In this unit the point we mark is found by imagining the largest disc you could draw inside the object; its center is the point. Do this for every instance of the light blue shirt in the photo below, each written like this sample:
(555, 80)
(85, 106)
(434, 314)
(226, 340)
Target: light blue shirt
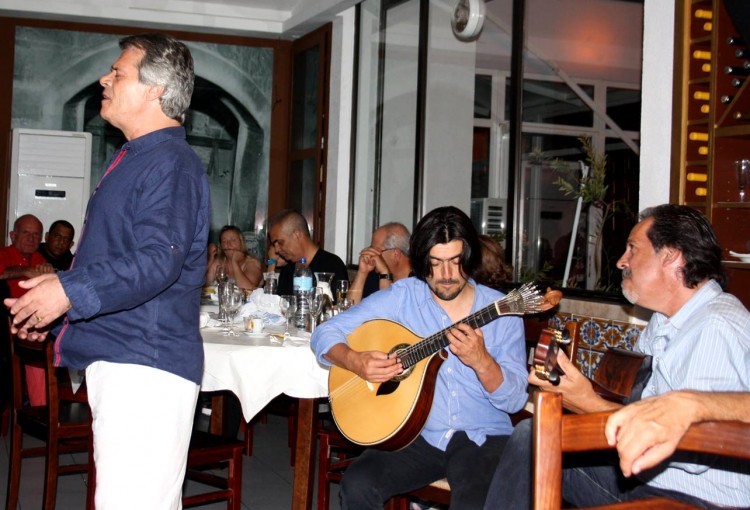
(460, 402)
(705, 346)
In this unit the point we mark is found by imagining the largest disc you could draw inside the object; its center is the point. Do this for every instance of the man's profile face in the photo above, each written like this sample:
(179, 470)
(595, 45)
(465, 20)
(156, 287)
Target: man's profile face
(59, 240)
(124, 97)
(27, 236)
(642, 272)
(446, 280)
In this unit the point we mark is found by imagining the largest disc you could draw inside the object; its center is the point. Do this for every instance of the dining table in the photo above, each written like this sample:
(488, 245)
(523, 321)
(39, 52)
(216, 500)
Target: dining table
(259, 367)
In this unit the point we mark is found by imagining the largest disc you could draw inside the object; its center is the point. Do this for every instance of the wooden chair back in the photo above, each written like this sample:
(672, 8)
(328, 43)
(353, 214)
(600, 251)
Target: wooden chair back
(64, 424)
(556, 433)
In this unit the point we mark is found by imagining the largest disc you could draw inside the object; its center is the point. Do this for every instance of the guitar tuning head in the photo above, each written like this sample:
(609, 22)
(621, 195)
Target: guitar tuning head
(562, 336)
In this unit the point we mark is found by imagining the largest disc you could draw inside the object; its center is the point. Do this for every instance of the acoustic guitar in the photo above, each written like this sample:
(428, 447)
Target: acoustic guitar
(390, 415)
(620, 371)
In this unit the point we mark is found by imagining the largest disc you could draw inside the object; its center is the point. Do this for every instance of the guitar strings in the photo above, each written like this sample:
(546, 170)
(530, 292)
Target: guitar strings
(525, 299)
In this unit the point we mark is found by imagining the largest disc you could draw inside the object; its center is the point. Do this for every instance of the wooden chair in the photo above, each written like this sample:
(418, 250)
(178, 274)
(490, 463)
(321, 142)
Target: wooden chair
(64, 423)
(335, 454)
(209, 451)
(556, 433)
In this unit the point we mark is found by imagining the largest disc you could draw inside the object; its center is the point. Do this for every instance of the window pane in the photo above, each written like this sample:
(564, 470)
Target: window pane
(548, 214)
(302, 189)
(480, 164)
(305, 99)
(482, 96)
(624, 107)
(555, 103)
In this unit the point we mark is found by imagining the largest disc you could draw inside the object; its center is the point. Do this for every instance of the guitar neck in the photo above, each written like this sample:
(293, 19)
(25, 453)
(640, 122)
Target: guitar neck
(512, 304)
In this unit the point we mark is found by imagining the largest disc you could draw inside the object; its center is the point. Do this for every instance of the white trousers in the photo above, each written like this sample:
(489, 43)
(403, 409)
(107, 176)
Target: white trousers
(142, 421)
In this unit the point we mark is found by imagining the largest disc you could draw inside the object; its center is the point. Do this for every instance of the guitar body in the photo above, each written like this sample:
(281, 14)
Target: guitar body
(389, 419)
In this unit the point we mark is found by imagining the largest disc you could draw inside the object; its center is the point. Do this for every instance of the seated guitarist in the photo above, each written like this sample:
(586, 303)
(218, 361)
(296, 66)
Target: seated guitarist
(699, 339)
(481, 382)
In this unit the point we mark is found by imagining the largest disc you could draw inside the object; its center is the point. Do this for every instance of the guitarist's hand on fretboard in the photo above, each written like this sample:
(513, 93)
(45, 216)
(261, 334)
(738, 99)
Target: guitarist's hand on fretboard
(468, 345)
(576, 389)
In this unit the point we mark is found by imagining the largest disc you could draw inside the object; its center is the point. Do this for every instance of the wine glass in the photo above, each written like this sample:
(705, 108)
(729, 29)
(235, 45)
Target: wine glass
(742, 167)
(342, 288)
(315, 300)
(236, 301)
(221, 273)
(230, 301)
(288, 307)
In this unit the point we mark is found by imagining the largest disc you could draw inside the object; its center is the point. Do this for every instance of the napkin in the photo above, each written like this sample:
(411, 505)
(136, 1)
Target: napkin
(263, 306)
(206, 321)
(301, 339)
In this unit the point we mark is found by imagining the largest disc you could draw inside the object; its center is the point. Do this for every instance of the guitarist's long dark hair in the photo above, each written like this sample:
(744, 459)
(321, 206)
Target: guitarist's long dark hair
(441, 226)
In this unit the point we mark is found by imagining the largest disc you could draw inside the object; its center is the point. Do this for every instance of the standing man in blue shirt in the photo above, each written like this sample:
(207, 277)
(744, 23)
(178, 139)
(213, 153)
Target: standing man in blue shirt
(482, 381)
(132, 297)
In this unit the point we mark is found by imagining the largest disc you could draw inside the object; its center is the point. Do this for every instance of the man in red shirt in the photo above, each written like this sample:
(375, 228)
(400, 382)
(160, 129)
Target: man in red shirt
(20, 261)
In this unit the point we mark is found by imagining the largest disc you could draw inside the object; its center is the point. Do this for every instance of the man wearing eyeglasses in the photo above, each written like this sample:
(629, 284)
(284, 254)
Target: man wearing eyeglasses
(481, 382)
(57, 244)
(385, 261)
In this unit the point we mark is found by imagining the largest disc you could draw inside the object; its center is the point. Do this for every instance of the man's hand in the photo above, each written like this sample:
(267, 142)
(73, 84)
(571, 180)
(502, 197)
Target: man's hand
(468, 345)
(39, 307)
(372, 366)
(45, 268)
(370, 259)
(576, 390)
(648, 431)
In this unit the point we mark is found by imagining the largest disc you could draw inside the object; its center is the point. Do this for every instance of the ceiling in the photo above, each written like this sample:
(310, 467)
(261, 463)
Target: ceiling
(597, 39)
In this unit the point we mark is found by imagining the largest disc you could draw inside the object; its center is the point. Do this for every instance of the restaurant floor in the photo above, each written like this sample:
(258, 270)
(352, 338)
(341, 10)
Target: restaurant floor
(267, 476)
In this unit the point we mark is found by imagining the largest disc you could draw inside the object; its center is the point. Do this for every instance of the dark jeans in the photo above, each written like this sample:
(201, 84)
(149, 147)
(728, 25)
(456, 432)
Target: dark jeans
(589, 485)
(378, 475)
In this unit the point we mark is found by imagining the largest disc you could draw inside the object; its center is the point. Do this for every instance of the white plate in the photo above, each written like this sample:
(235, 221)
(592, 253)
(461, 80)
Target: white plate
(744, 257)
(254, 335)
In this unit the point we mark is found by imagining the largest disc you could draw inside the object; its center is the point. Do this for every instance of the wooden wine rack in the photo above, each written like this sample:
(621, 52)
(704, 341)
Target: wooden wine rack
(707, 137)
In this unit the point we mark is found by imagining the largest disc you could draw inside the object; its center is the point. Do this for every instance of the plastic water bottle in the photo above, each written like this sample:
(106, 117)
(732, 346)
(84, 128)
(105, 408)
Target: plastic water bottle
(303, 284)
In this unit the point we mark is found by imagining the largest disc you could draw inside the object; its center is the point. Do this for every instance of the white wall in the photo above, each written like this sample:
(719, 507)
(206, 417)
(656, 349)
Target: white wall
(656, 102)
(339, 132)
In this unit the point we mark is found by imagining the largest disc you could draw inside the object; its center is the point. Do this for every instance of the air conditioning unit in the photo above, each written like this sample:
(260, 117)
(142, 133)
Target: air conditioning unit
(488, 215)
(49, 178)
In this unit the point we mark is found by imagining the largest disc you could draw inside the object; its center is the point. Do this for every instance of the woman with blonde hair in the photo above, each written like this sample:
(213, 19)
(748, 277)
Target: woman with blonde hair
(231, 255)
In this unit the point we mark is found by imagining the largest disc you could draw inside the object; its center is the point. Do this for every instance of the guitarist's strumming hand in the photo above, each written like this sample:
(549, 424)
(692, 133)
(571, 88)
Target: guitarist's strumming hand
(468, 344)
(577, 392)
(372, 366)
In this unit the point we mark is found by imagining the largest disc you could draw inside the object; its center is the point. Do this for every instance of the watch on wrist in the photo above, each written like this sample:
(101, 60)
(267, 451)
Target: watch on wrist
(386, 276)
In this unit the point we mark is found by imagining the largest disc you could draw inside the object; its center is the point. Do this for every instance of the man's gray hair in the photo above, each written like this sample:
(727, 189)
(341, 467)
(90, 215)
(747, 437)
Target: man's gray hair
(166, 63)
(396, 237)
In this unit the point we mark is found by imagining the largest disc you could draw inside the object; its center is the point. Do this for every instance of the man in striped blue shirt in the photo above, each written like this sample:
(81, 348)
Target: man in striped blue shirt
(699, 339)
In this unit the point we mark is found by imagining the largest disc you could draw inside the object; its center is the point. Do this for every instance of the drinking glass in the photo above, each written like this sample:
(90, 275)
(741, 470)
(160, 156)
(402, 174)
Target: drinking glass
(342, 288)
(236, 301)
(230, 301)
(271, 282)
(742, 167)
(288, 307)
(221, 273)
(315, 300)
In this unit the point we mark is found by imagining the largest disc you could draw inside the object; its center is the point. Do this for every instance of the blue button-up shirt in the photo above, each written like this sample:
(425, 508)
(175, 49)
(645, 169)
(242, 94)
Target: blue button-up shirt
(140, 262)
(705, 346)
(461, 403)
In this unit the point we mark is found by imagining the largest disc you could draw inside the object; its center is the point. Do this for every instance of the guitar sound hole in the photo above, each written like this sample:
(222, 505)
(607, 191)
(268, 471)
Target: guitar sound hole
(397, 351)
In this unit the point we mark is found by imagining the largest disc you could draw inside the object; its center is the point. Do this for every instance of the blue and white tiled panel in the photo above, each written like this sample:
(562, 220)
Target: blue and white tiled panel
(597, 335)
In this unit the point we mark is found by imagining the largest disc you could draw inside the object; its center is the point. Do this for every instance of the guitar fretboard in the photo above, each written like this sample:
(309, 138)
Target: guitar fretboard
(525, 299)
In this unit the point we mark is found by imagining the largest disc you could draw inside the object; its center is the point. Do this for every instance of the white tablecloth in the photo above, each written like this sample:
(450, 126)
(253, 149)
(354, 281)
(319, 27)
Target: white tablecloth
(259, 369)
